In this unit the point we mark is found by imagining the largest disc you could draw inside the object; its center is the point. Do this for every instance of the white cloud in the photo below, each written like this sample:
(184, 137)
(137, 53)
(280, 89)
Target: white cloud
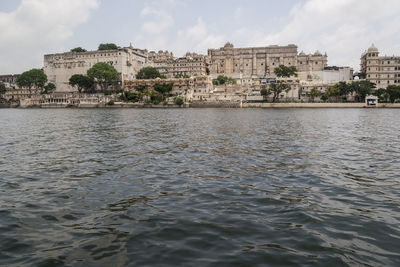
(159, 21)
(35, 27)
(342, 28)
(197, 38)
(154, 29)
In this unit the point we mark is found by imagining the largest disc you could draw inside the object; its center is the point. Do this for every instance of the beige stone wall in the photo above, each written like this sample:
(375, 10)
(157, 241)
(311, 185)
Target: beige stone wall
(191, 64)
(261, 61)
(60, 67)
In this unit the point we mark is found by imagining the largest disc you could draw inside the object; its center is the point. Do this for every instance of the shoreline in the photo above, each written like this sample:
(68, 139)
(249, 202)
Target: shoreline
(204, 105)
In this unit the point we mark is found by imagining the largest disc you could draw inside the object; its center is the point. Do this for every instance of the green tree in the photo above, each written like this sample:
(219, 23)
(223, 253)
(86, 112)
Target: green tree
(49, 88)
(283, 71)
(78, 50)
(130, 96)
(362, 89)
(314, 92)
(140, 88)
(32, 78)
(324, 97)
(345, 89)
(382, 94)
(82, 82)
(103, 73)
(163, 88)
(156, 97)
(222, 79)
(2, 89)
(148, 73)
(333, 91)
(278, 87)
(265, 92)
(393, 92)
(108, 46)
(179, 101)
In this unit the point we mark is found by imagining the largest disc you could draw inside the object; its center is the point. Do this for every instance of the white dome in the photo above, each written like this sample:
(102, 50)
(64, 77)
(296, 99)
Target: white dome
(372, 48)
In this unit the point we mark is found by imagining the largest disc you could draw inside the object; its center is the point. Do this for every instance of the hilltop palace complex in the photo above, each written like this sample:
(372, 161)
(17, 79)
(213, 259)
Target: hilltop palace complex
(192, 74)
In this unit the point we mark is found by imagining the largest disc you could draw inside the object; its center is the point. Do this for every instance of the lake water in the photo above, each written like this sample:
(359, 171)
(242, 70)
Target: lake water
(199, 187)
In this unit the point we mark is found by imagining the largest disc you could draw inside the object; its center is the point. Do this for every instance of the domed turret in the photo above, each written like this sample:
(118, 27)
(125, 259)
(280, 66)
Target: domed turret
(372, 49)
(317, 53)
(228, 45)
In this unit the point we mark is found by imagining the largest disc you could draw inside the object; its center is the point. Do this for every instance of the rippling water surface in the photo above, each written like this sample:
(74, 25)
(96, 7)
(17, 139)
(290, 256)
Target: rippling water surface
(199, 187)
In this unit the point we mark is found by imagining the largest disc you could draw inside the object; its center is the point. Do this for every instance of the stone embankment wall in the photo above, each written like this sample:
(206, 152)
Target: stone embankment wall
(315, 105)
(210, 104)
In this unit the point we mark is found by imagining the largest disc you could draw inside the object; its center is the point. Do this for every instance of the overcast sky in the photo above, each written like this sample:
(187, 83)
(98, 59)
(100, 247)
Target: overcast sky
(342, 28)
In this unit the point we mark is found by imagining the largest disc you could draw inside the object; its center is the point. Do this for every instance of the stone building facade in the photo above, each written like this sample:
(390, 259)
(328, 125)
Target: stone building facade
(381, 70)
(191, 64)
(261, 61)
(185, 87)
(15, 93)
(9, 79)
(60, 67)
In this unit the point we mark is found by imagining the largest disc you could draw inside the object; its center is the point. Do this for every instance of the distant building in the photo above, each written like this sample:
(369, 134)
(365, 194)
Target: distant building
(381, 70)
(9, 79)
(14, 92)
(191, 64)
(60, 67)
(262, 61)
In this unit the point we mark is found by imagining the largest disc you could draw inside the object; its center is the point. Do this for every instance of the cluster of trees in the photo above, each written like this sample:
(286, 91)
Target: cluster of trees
(78, 50)
(276, 87)
(337, 92)
(35, 78)
(222, 79)
(390, 94)
(179, 101)
(149, 73)
(360, 89)
(107, 46)
(101, 73)
(340, 91)
(155, 95)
